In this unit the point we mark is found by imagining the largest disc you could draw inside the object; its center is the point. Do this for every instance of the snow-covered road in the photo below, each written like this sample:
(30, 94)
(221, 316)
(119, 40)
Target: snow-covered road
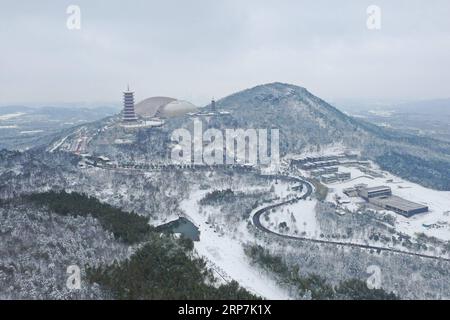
(228, 254)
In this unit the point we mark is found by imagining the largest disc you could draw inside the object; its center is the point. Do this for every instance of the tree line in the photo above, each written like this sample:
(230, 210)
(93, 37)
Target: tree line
(318, 287)
(162, 268)
(128, 227)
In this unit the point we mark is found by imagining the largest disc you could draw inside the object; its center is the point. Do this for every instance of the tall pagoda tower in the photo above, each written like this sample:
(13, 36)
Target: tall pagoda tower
(128, 106)
(213, 105)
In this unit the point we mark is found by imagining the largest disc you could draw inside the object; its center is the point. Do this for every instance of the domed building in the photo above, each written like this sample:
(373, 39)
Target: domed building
(163, 107)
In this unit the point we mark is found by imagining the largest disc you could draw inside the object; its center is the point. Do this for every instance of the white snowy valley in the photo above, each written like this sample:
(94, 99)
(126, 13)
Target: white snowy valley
(225, 230)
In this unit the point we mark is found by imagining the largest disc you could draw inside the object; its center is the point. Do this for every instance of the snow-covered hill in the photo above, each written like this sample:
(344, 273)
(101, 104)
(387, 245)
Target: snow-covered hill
(306, 124)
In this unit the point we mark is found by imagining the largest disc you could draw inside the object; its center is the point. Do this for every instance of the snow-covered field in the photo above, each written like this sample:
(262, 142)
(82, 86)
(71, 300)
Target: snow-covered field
(300, 218)
(329, 150)
(434, 223)
(226, 253)
(10, 116)
(31, 131)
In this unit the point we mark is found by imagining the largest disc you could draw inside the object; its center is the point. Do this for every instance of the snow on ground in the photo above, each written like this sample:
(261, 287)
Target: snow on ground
(11, 115)
(144, 124)
(382, 113)
(281, 188)
(31, 131)
(434, 223)
(304, 223)
(227, 253)
(58, 144)
(301, 220)
(331, 149)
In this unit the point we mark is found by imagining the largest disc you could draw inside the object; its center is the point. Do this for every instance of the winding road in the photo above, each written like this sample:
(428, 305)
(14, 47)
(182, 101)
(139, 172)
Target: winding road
(256, 219)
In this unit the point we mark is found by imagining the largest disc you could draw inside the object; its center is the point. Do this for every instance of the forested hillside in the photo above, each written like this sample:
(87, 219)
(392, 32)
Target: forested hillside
(305, 122)
(42, 234)
(127, 227)
(164, 269)
(317, 287)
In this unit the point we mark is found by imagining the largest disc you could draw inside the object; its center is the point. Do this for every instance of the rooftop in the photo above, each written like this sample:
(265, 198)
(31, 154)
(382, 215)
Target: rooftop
(379, 188)
(401, 203)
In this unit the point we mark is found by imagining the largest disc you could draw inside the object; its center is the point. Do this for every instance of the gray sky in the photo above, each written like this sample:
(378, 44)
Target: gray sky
(196, 49)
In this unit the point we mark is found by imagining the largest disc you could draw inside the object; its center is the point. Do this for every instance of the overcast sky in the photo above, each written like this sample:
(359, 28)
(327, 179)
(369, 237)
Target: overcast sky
(196, 49)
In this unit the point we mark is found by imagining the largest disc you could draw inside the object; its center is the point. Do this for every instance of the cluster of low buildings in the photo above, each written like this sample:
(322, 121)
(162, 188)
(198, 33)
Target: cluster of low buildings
(381, 196)
(320, 172)
(95, 161)
(318, 164)
(335, 177)
(370, 172)
(324, 168)
(309, 163)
